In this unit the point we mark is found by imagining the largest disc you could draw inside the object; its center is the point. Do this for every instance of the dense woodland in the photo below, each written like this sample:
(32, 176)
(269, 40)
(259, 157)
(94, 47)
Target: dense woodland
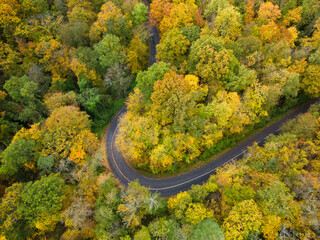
(225, 67)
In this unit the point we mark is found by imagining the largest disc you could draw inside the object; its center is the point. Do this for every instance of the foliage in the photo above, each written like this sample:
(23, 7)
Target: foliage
(42, 201)
(140, 13)
(137, 202)
(244, 219)
(173, 47)
(227, 68)
(137, 55)
(146, 79)
(109, 51)
(18, 160)
(208, 229)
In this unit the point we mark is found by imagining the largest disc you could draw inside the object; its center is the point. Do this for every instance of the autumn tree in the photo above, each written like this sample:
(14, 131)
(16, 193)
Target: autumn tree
(11, 223)
(9, 15)
(180, 15)
(173, 48)
(211, 61)
(158, 9)
(137, 55)
(179, 204)
(250, 14)
(228, 24)
(310, 81)
(61, 128)
(56, 100)
(244, 219)
(146, 79)
(55, 60)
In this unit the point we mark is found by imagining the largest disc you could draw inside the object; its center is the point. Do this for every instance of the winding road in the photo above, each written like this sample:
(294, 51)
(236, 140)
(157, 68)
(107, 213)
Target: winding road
(173, 185)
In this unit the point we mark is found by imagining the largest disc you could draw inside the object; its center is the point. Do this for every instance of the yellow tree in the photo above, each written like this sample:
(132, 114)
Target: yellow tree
(311, 81)
(55, 59)
(61, 129)
(228, 23)
(81, 70)
(173, 47)
(158, 9)
(9, 18)
(108, 12)
(244, 218)
(250, 14)
(137, 56)
(180, 15)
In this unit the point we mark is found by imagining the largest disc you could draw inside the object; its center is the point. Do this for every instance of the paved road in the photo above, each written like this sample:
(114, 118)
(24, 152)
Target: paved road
(173, 185)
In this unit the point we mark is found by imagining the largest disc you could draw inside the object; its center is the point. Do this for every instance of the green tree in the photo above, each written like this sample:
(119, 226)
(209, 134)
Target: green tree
(110, 51)
(142, 234)
(276, 199)
(238, 193)
(214, 6)
(18, 159)
(95, 101)
(31, 7)
(42, 203)
(146, 79)
(207, 229)
(140, 13)
(198, 193)
(191, 32)
(45, 164)
(160, 228)
(108, 221)
(26, 93)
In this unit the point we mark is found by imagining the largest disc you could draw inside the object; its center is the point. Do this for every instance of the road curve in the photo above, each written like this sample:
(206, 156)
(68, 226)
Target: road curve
(173, 185)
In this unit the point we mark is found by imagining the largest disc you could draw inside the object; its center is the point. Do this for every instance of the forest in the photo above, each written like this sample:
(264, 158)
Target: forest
(224, 68)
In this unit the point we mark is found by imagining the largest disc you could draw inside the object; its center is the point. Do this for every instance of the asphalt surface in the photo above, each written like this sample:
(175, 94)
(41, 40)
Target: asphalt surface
(173, 185)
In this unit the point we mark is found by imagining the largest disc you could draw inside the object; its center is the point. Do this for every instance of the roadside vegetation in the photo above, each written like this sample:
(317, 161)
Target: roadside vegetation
(225, 68)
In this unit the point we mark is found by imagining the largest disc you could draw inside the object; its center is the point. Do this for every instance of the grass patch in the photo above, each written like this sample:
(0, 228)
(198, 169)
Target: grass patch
(227, 143)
